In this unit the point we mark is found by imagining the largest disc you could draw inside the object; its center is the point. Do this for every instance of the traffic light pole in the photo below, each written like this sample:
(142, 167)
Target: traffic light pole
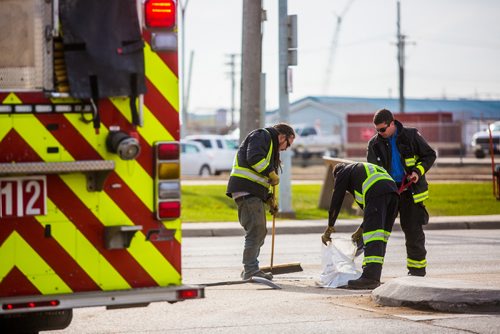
(285, 189)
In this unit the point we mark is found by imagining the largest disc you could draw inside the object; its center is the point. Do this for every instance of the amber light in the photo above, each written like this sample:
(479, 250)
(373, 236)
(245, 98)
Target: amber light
(160, 14)
(168, 171)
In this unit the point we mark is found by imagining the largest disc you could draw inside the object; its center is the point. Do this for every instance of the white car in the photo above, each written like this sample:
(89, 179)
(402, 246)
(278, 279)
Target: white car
(481, 141)
(222, 147)
(195, 159)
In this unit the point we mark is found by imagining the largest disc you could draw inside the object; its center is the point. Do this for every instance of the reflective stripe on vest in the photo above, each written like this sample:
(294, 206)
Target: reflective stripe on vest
(373, 259)
(416, 264)
(377, 235)
(250, 174)
(374, 174)
(261, 165)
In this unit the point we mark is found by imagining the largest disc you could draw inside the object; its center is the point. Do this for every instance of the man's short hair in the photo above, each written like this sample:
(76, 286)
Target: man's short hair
(284, 129)
(383, 116)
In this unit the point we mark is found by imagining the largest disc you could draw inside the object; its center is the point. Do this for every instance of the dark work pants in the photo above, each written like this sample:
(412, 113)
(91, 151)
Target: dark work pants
(412, 217)
(378, 219)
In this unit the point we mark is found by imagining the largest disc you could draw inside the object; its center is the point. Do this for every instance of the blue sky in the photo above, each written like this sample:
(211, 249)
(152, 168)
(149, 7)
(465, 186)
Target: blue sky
(453, 49)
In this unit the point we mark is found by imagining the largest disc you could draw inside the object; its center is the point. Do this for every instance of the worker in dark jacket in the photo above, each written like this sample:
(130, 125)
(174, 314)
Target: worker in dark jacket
(405, 154)
(376, 193)
(255, 170)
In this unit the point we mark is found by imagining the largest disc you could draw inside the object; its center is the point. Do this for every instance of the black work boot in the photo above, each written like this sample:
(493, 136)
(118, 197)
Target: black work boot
(363, 283)
(258, 273)
(416, 272)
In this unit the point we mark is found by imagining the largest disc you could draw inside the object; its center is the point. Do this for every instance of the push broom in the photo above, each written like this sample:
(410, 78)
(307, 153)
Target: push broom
(280, 268)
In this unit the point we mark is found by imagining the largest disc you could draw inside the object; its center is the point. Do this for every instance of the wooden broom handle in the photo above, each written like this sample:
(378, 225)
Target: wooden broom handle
(273, 230)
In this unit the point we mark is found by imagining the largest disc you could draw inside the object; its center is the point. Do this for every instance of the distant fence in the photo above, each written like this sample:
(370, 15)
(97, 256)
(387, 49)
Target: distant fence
(445, 138)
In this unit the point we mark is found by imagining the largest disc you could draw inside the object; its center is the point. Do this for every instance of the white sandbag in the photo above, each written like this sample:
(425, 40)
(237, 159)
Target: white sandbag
(338, 263)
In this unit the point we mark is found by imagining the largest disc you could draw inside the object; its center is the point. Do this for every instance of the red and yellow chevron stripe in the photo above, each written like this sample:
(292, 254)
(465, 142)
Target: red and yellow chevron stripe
(73, 256)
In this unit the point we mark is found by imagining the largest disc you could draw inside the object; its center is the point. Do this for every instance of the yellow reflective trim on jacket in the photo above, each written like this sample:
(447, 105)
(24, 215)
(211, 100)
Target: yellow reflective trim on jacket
(377, 235)
(261, 165)
(250, 175)
(410, 162)
(86, 255)
(416, 264)
(16, 252)
(420, 197)
(421, 169)
(373, 259)
(374, 174)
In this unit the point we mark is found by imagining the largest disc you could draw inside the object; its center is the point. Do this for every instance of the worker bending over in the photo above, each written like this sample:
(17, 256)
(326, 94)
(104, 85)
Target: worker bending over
(375, 192)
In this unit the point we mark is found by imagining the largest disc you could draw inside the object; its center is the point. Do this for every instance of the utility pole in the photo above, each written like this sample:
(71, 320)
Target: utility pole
(287, 37)
(251, 65)
(184, 111)
(232, 73)
(401, 61)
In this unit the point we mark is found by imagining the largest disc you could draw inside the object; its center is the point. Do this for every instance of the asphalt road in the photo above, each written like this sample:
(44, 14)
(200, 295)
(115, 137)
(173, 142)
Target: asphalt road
(300, 306)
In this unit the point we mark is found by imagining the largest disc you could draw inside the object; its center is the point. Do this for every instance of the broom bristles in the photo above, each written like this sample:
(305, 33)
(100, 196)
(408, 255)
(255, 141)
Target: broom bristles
(283, 268)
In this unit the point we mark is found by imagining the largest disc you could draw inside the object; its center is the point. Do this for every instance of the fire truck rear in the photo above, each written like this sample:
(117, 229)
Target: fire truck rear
(89, 159)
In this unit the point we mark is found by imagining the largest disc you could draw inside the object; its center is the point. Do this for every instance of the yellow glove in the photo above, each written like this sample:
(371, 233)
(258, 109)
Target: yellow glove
(273, 205)
(326, 235)
(274, 179)
(357, 235)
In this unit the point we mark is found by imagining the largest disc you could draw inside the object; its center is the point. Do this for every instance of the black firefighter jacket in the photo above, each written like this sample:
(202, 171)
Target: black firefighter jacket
(416, 156)
(351, 179)
(254, 149)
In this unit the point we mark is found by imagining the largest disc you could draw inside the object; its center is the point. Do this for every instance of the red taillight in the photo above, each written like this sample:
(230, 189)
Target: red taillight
(168, 210)
(168, 151)
(30, 305)
(160, 14)
(187, 294)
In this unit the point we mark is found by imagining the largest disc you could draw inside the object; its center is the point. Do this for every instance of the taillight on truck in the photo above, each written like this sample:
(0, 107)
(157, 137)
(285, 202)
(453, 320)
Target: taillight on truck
(167, 180)
(159, 14)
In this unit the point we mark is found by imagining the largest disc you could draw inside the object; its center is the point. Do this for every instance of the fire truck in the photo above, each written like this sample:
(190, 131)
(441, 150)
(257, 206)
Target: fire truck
(89, 159)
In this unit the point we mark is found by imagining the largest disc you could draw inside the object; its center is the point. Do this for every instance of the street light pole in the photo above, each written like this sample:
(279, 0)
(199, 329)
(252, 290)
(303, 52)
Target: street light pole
(285, 193)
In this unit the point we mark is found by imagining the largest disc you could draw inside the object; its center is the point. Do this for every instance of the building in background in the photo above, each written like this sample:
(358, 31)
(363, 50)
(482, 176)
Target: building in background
(457, 120)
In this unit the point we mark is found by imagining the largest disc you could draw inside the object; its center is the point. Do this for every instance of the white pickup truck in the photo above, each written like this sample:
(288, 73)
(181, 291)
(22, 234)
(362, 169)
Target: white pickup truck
(311, 141)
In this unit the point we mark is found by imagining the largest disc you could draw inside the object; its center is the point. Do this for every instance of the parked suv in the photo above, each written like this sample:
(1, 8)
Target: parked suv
(481, 141)
(222, 147)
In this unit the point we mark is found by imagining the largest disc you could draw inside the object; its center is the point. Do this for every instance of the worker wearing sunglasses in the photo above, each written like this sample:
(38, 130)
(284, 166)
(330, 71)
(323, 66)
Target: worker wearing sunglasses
(406, 156)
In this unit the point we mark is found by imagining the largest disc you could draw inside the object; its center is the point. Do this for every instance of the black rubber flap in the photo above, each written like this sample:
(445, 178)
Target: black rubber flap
(103, 48)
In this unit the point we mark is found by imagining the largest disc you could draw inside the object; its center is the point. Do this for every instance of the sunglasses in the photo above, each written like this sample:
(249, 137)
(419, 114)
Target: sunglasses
(287, 142)
(382, 130)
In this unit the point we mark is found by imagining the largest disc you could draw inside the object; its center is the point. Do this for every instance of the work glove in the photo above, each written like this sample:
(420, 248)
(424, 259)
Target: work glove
(274, 179)
(357, 235)
(326, 235)
(357, 238)
(273, 205)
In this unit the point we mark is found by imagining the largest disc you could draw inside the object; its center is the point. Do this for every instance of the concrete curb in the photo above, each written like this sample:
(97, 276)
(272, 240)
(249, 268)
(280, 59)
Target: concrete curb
(342, 226)
(443, 295)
